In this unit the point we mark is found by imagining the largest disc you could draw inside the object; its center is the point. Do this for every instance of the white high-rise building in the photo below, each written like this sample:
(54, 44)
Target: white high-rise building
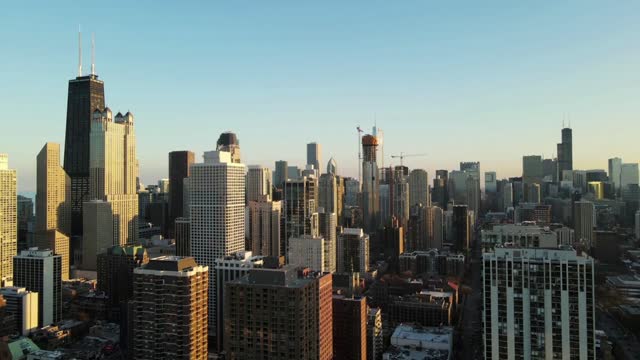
(538, 304)
(419, 188)
(217, 210)
(328, 224)
(583, 222)
(307, 251)
(113, 170)
(258, 182)
(8, 219)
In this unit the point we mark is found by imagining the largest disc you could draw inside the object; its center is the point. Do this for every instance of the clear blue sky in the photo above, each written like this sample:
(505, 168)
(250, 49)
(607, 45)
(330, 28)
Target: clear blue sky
(486, 81)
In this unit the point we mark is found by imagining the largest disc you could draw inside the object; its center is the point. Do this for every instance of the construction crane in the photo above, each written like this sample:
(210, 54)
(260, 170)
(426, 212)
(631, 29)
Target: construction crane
(403, 155)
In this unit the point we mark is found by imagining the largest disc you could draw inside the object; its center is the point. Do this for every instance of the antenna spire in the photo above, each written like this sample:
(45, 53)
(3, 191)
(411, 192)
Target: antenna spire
(93, 54)
(79, 51)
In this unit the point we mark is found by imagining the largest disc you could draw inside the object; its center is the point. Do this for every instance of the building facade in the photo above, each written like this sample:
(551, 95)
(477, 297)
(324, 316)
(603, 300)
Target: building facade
(8, 219)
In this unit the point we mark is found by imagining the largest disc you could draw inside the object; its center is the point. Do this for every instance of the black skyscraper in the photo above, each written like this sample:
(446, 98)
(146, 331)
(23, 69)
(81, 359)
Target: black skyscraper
(565, 152)
(179, 163)
(86, 93)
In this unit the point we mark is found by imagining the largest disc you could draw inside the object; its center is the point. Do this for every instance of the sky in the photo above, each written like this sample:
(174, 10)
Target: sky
(457, 80)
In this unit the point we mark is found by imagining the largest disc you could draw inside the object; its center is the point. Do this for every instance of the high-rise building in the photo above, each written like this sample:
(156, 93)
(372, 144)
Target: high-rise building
(170, 296)
(265, 216)
(490, 182)
(228, 269)
(370, 183)
(281, 174)
(507, 196)
(615, 170)
(629, 175)
(532, 172)
(182, 234)
(637, 223)
(538, 304)
(435, 227)
(229, 142)
(328, 193)
(300, 209)
(565, 152)
(473, 195)
(179, 169)
(440, 188)
(8, 219)
(328, 224)
(583, 222)
(258, 182)
(308, 252)
(53, 196)
(114, 172)
(352, 253)
(23, 305)
(115, 271)
(98, 231)
(471, 168)
(86, 94)
(41, 271)
(349, 328)
(550, 170)
(419, 188)
(259, 325)
(217, 207)
(351, 192)
(375, 338)
(533, 193)
(332, 167)
(59, 243)
(26, 222)
(314, 156)
(461, 228)
(400, 199)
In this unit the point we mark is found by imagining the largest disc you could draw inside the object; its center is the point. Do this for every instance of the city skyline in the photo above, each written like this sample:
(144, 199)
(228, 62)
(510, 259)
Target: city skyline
(260, 73)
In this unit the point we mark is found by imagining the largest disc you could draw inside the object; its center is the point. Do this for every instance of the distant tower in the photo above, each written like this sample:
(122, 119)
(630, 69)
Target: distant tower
(370, 183)
(229, 142)
(314, 156)
(565, 152)
(332, 167)
(179, 169)
(8, 219)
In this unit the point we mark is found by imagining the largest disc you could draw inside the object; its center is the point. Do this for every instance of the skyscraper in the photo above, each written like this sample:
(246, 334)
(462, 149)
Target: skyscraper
(370, 183)
(314, 156)
(98, 231)
(328, 224)
(583, 222)
(217, 193)
(300, 209)
(615, 169)
(375, 338)
(349, 328)
(170, 309)
(8, 219)
(179, 169)
(400, 198)
(23, 306)
(461, 228)
(114, 172)
(440, 190)
(258, 182)
(629, 175)
(229, 142)
(86, 94)
(259, 325)
(115, 272)
(532, 172)
(352, 253)
(419, 188)
(538, 304)
(307, 251)
(265, 216)
(41, 271)
(565, 152)
(328, 193)
(490, 182)
(332, 167)
(281, 174)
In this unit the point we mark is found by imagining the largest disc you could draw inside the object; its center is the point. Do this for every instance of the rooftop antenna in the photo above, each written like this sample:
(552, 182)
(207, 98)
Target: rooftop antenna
(79, 51)
(93, 54)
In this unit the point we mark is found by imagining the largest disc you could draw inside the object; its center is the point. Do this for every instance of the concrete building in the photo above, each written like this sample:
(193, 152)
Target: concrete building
(41, 271)
(179, 169)
(98, 231)
(527, 234)
(217, 207)
(538, 304)
(259, 325)
(349, 328)
(307, 251)
(410, 342)
(170, 296)
(53, 196)
(8, 219)
(265, 221)
(328, 223)
(114, 173)
(419, 188)
(314, 156)
(259, 180)
(375, 336)
(583, 222)
(59, 243)
(352, 253)
(23, 305)
(299, 210)
(228, 269)
(115, 272)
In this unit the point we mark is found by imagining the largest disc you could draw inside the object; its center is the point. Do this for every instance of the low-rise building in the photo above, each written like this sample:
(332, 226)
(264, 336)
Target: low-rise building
(410, 342)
